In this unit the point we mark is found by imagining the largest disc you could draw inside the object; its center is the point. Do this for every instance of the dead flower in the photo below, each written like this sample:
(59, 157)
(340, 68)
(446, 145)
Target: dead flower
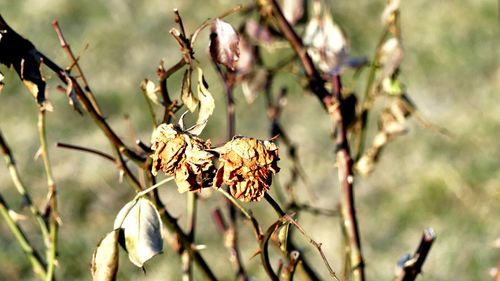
(183, 156)
(247, 165)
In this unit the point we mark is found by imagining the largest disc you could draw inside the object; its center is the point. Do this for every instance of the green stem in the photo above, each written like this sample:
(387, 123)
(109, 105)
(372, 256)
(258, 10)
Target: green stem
(367, 102)
(52, 201)
(33, 256)
(18, 183)
(235, 203)
(187, 262)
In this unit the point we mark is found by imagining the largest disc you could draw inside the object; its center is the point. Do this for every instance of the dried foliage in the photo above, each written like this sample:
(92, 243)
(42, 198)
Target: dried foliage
(246, 165)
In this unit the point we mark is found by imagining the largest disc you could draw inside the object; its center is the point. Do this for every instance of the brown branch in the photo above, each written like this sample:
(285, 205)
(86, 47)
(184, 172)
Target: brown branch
(413, 266)
(332, 104)
(86, 149)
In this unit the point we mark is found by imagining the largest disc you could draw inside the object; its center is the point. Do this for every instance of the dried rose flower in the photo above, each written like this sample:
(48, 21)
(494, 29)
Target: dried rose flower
(183, 156)
(247, 165)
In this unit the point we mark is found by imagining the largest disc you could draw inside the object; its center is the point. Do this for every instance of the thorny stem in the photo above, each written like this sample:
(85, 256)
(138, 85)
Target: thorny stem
(91, 109)
(232, 231)
(52, 200)
(169, 221)
(331, 103)
(37, 262)
(187, 262)
(346, 179)
(18, 183)
(80, 73)
(413, 267)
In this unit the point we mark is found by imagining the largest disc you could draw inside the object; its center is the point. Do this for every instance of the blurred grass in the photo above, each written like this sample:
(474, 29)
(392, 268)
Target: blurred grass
(451, 68)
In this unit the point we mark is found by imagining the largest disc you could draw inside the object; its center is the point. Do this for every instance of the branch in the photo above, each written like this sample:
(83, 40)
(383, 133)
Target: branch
(37, 262)
(16, 178)
(413, 266)
(332, 103)
(52, 210)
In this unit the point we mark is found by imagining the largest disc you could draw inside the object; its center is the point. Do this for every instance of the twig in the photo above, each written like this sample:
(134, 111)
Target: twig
(86, 149)
(333, 104)
(187, 263)
(37, 262)
(52, 200)
(67, 48)
(412, 267)
(346, 179)
(368, 96)
(228, 79)
(93, 111)
(288, 218)
(18, 183)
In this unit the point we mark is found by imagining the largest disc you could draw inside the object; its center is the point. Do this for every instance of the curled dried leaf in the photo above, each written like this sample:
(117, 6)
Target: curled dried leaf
(104, 265)
(149, 88)
(391, 56)
(388, 15)
(247, 57)
(257, 32)
(326, 43)
(20, 53)
(142, 230)
(247, 166)
(183, 156)
(293, 10)
(253, 84)
(224, 43)
(187, 97)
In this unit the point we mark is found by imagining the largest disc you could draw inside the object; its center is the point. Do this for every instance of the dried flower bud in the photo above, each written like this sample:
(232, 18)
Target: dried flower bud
(247, 165)
(224, 43)
(183, 156)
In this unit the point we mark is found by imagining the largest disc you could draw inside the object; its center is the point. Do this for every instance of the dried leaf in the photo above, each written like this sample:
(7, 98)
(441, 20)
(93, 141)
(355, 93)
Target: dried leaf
(148, 87)
(388, 13)
(207, 105)
(293, 10)
(326, 43)
(187, 97)
(105, 259)
(20, 53)
(224, 43)
(141, 226)
(257, 32)
(1, 75)
(391, 56)
(247, 57)
(73, 99)
(254, 84)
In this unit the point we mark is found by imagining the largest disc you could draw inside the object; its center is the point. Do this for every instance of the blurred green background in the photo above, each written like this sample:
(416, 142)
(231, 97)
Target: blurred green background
(451, 69)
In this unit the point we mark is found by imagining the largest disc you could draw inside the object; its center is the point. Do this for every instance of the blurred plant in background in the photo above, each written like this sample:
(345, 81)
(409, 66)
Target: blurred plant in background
(446, 177)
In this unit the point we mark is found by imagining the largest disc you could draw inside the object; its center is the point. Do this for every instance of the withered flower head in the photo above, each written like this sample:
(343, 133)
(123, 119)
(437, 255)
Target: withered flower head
(246, 166)
(183, 156)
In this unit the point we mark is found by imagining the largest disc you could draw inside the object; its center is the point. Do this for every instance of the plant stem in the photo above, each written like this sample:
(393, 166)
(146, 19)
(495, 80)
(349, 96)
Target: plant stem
(18, 183)
(39, 266)
(52, 200)
(413, 267)
(187, 262)
(368, 96)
